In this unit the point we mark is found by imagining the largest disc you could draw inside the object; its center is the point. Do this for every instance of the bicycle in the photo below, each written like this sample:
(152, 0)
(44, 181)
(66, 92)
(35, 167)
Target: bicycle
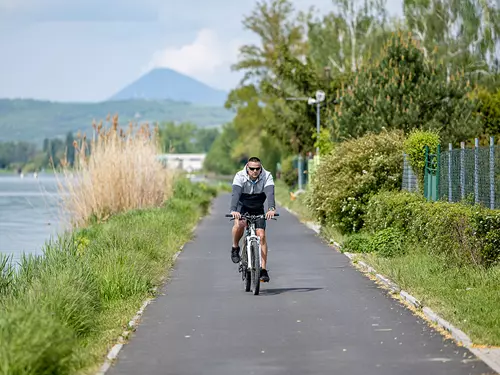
(250, 262)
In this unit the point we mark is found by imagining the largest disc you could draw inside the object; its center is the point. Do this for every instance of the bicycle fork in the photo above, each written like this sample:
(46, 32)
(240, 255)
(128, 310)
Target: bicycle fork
(249, 239)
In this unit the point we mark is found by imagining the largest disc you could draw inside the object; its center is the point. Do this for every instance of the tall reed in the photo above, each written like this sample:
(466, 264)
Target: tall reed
(114, 172)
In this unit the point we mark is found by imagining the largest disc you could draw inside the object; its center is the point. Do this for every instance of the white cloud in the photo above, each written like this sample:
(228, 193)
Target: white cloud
(208, 58)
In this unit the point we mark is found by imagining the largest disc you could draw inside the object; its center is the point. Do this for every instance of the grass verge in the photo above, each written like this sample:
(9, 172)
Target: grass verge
(465, 296)
(60, 313)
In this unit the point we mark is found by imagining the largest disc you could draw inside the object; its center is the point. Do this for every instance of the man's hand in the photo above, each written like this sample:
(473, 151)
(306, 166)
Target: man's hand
(270, 214)
(236, 215)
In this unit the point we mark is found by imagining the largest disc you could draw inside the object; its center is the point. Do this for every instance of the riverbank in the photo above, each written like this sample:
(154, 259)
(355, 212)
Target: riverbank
(467, 296)
(63, 311)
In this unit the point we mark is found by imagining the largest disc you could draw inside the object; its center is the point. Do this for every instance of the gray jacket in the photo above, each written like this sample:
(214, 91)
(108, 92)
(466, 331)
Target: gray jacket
(252, 194)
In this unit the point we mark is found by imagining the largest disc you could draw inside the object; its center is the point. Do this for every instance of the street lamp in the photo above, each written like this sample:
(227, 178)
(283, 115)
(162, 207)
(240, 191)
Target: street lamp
(320, 97)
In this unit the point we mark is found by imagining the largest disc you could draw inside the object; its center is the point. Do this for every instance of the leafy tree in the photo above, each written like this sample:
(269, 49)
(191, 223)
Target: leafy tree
(461, 33)
(219, 158)
(403, 91)
(70, 149)
(272, 21)
(205, 137)
(346, 38)
(186, 138)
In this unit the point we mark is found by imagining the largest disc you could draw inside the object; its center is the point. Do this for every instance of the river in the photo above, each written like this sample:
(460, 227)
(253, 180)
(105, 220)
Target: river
(29, 213)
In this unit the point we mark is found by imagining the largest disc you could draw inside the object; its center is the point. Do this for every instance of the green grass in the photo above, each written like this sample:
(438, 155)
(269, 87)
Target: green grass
(61, 313)
(299, 206)
(467, 297)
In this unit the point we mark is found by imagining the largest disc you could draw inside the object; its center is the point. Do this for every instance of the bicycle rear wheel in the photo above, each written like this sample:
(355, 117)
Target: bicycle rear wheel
(254, 248)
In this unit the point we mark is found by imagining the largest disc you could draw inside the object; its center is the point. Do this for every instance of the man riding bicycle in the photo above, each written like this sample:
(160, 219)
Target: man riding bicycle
(251, 187)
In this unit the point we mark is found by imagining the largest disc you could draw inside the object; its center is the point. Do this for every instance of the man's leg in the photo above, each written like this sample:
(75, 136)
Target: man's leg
(261, 232)
(263, 245)
(237, 232)
(238, 229)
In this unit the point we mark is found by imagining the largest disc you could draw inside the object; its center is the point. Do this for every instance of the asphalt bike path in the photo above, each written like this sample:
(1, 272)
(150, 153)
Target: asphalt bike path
(317, 315)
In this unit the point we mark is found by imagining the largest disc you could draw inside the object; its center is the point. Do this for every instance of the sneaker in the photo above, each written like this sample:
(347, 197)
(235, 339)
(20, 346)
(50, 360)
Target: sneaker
(264, 276)
(235, 254)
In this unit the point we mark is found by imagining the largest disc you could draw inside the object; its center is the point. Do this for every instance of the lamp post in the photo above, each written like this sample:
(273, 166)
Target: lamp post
(320, 97)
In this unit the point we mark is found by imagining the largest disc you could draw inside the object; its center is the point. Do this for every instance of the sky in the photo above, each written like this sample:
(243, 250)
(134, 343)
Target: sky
(87, 50)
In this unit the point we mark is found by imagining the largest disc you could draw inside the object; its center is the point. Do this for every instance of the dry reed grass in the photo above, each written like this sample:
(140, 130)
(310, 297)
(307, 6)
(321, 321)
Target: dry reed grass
(114, 172)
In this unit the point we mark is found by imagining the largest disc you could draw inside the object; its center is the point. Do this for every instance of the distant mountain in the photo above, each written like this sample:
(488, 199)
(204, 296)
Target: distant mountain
(164, 83)
(33, 120)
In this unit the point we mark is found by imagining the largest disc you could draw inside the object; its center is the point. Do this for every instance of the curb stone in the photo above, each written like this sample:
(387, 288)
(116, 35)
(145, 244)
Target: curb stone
(132, 324)
(490, 356)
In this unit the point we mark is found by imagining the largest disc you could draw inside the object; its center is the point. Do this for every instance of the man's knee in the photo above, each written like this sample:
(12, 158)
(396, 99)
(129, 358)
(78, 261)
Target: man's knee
(262, 234)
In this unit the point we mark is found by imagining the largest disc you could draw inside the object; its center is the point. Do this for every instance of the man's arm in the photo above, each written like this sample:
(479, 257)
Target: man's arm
(236, 194)
(235, 197)
(269, 191)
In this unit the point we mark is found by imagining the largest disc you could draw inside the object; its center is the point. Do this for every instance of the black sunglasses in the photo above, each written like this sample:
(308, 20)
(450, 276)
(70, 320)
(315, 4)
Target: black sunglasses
(254, 169)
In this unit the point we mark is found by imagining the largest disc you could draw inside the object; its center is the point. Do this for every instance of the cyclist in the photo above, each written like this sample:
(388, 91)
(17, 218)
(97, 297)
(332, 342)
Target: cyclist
(251, 187)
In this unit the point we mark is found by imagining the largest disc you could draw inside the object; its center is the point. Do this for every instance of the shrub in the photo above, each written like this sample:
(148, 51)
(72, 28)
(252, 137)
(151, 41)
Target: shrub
(357, 243)
(458, 233)
(388, 242)
(356, 170)
(414, 147)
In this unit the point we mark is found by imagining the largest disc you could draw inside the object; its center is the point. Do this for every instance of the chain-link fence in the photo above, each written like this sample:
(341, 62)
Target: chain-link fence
(409, 178)
(465, 174)
(471, 174)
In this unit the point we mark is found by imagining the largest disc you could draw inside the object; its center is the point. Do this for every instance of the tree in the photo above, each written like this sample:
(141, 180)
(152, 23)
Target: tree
(70, 149)
(273, 23)
(461, 33)
(404, 91)
(219, 157)
(205, 138)
(344, 39)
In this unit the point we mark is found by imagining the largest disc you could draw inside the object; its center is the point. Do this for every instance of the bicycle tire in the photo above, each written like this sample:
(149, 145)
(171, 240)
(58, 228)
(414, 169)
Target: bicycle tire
(254, 248)
(245, 274)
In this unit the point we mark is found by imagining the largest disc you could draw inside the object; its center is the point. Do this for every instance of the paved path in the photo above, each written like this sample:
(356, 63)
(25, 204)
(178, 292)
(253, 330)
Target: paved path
(318, 315)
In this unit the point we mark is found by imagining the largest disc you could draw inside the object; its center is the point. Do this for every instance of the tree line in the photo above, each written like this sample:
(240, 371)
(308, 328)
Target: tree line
(435, 68)
(30, 157)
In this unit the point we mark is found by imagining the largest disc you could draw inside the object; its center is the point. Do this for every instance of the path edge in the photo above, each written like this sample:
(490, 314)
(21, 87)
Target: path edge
(490, 356)
(134, 322)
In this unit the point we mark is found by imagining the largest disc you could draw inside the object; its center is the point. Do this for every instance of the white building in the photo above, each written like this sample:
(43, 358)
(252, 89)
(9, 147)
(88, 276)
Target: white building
(188, 162)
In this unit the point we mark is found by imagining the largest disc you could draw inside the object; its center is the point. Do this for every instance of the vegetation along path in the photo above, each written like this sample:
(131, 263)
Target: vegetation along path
(317, 315)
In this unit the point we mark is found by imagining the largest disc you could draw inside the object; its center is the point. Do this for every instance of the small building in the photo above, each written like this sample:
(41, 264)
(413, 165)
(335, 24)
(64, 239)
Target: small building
(188, 162)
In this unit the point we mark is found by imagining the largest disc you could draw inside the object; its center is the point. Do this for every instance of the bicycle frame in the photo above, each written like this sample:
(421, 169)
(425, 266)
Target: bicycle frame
(250, 235)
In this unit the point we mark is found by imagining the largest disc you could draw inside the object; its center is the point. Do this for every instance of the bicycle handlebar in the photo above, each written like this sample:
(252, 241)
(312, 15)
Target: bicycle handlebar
(248, 216)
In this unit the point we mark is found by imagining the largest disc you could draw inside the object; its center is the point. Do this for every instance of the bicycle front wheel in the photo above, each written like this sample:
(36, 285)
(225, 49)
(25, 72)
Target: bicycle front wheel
(254, 248)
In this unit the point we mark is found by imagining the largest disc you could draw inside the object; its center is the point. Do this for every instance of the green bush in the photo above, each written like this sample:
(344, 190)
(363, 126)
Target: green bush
(356, 170)
(414, 147)
(357, 243)
(388, 242)
(459, 234)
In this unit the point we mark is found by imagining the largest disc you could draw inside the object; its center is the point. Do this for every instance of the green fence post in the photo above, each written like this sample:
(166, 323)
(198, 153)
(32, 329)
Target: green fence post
(438, 172)
(426, 172)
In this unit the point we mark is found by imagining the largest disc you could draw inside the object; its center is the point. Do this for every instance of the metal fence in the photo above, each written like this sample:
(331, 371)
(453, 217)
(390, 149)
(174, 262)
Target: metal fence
(409, 177)
(465, 174)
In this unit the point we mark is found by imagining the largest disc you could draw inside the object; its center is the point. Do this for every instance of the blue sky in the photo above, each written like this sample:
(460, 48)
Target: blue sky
(86, 50)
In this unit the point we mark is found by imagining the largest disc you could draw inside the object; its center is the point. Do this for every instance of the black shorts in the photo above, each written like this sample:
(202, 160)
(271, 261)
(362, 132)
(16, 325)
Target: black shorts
(260, 223)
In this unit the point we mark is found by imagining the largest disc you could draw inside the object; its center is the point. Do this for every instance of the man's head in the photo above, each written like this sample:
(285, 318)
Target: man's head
(254, 167)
